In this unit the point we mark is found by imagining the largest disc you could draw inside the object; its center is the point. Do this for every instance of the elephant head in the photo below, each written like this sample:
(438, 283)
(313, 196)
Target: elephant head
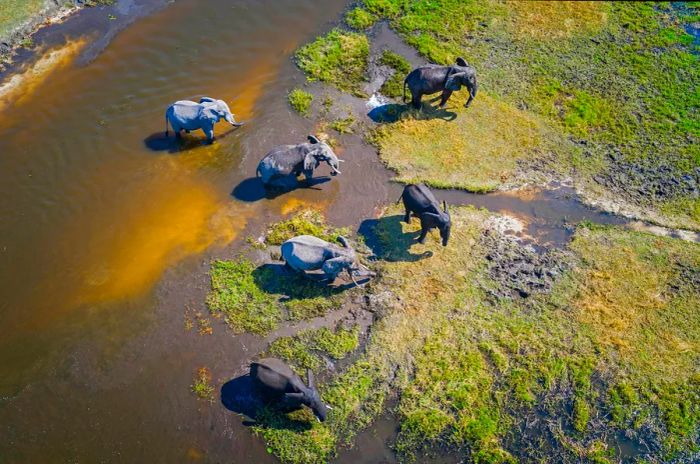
(215, 110)
(311, 398)
(321, 152)
(441, 220)
(460, 75)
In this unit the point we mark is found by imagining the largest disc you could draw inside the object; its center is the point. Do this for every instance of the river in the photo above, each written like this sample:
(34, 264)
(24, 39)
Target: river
(107, 228)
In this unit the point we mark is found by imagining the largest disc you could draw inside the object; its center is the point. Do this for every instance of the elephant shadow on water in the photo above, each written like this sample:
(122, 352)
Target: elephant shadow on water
(252, 189)
(161, 142)
(394, 112)
(387, 240)
(238, 395)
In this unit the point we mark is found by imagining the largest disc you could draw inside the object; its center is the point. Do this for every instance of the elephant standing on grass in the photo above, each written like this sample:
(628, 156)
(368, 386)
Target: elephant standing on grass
(291, 160)
(428, 80)
(308, 253)
(189, 115)
(276, 381)
(419, 201)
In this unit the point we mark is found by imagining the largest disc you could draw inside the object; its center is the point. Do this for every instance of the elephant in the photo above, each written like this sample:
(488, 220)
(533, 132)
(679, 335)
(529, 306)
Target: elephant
(287, 160)
(428, 80)
(420, 201)
(276, 382)
(189, 115)
(307, 253)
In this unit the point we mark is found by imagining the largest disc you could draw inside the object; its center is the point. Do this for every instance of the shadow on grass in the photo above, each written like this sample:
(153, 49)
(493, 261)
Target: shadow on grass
(394, 112)
(238, 395)
(252, 189)
(277, 279)
(387, 240)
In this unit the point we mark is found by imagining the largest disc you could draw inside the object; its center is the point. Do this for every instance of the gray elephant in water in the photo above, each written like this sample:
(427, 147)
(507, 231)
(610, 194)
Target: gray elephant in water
(291, 160)
(308, 253)
(428, 80)
(189, 115)
(277, 382)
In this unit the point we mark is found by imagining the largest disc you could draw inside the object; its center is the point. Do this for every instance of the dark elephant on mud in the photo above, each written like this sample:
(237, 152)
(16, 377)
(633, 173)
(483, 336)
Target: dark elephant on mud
(428, 80)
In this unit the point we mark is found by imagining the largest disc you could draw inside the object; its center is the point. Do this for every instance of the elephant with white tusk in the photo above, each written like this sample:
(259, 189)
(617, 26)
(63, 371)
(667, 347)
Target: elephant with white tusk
(308, 253)
(188, 115)
(276, 381)
(292, 160)
(428, 80)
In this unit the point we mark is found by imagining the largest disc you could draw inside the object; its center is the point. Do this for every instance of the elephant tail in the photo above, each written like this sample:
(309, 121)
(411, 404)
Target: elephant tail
(257, 172)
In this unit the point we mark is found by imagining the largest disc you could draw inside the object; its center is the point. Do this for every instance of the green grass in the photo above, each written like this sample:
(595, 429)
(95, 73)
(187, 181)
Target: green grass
(343, 125)
(202, 385)
(300, 101)
(303, 350)
(14, 13)
(618, 76)
(338, 58)
(360, 19)
(480, 150)
(393, 87)
(612, 347)
(306, 222)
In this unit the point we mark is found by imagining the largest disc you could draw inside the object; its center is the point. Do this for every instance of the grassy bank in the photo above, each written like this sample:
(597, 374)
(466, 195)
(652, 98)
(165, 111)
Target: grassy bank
(616, 81)
(611, 350)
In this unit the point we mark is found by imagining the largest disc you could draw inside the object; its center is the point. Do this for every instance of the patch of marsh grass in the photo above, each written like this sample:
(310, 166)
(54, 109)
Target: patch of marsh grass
(478, 151)
(393, 86)
(360, 19)
(338, 58)
(300, 100)
(305, 222)
(303, 350)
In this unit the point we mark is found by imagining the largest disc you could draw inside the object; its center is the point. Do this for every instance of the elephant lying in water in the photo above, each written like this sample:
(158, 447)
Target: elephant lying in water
(420, 201)
(308, 253)
(428, 80)
(291, 160)
(189, 115)
(275, 381)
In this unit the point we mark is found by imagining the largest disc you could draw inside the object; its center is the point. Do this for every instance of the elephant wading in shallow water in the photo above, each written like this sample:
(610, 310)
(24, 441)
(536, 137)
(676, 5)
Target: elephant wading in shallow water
(188, 115)
(276, 382)
(308, 253)
(428, 80)
(291, 160)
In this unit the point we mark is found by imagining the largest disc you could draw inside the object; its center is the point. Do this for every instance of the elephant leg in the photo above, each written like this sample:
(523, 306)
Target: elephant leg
(187, 131)
(423, 234)
(210, 134)
(445, 96)
(407, 217)
(309, 174)
(471, 97)
(416, 101)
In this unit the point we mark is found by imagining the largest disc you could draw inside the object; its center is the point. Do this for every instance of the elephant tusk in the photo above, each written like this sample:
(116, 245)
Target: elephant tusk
(328, 406)
(354, 281)
(341, 161)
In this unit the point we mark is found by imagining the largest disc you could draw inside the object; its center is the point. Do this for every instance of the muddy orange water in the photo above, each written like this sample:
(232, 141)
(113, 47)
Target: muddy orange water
(107, 227)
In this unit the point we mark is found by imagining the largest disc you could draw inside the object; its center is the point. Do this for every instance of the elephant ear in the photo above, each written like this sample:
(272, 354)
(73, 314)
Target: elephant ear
(454, 81)
(429, 219)
(212, 114)
(313, 139)
(310, 161)
(461, 62)
(206, 100)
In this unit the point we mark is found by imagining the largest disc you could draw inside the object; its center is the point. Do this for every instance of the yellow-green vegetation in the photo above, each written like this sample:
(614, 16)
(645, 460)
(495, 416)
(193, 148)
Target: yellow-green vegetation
(338, 58)
(303, 350)
(393, 87)
(343, 125)
(614, 347)
(619, 78)
(14, 13)
(359, 18)
(256, 298)
(479, 150)
(202, 385)
(305, 222)
(300, 101)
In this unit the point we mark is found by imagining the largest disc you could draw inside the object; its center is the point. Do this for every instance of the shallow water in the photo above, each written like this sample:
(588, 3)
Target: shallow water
(107, 228)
